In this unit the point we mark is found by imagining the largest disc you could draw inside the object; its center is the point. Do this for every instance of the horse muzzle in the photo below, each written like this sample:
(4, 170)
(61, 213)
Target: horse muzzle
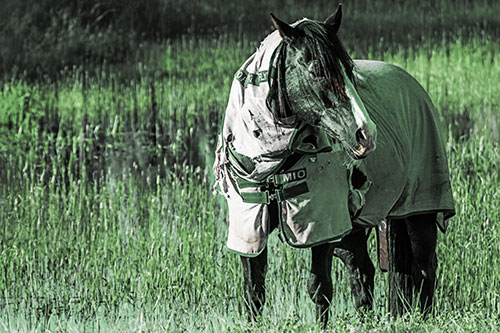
(366, 143)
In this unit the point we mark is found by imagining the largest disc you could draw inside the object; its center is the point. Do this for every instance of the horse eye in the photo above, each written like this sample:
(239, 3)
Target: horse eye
(315, 69)
(307, 56)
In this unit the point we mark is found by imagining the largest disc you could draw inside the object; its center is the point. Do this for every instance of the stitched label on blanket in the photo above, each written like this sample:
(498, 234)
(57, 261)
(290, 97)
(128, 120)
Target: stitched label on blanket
(246, 78)
(291, 176)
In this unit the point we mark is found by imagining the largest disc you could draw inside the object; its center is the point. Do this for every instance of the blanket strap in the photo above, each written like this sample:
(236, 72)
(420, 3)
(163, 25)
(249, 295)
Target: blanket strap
(272, 188)
(383, 253)
(265, 197)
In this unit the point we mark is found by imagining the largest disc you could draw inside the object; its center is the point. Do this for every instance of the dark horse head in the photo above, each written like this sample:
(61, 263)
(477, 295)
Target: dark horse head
(315, 82)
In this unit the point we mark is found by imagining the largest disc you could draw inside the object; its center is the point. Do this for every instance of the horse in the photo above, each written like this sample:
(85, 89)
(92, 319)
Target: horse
(325, 148)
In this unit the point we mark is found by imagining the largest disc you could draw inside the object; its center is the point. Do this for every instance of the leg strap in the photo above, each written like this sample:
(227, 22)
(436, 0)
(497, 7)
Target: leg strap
(383, 255)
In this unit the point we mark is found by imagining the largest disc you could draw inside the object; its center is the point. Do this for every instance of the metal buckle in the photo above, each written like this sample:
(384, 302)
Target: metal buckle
(267, 195)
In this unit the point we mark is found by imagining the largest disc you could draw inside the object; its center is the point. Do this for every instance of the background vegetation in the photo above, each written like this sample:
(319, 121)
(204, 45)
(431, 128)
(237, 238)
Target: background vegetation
(108, 113)
(40, 38)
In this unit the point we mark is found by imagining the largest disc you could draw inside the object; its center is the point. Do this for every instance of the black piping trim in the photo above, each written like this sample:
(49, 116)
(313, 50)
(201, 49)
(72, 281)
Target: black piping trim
(451, 212)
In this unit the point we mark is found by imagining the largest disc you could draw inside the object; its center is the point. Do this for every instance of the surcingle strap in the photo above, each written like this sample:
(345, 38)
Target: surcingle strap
(265, 197)
(256, 197)
(292, 192)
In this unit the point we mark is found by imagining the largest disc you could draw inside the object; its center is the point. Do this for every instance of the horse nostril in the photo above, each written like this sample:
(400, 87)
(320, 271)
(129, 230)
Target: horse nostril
(361, 136)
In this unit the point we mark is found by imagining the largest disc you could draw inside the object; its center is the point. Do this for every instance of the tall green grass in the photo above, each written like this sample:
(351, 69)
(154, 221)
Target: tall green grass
(149, 254)
(108, 221)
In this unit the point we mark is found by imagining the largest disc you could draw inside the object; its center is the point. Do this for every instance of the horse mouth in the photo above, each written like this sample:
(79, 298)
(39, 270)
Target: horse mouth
(360, 153)
(364, 150)
(366, 144)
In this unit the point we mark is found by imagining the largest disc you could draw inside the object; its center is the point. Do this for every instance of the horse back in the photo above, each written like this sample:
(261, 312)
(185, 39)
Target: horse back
(409, 167)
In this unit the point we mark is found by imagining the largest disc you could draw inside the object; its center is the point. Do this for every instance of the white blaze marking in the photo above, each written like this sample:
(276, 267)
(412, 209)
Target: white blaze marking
(358, 107)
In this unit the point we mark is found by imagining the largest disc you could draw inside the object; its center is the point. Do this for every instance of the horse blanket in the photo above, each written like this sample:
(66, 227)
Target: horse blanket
(409, 169)
(252, 154)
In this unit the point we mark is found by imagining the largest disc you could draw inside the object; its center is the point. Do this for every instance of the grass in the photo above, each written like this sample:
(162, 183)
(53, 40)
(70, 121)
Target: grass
(108, 221)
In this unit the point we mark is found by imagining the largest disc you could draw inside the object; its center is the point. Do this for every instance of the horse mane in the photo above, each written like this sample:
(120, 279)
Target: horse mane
(324, 45)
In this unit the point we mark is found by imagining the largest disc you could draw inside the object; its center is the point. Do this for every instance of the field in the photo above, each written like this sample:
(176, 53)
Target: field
(108, 221)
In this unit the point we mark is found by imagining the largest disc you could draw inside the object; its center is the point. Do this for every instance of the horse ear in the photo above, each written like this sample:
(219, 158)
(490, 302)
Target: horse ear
(287, 32)
(335, 19)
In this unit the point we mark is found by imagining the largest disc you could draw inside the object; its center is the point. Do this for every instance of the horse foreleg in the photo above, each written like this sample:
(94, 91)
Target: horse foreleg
(412, 262)
(254, 274)
(352, 250)
(320, 283)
